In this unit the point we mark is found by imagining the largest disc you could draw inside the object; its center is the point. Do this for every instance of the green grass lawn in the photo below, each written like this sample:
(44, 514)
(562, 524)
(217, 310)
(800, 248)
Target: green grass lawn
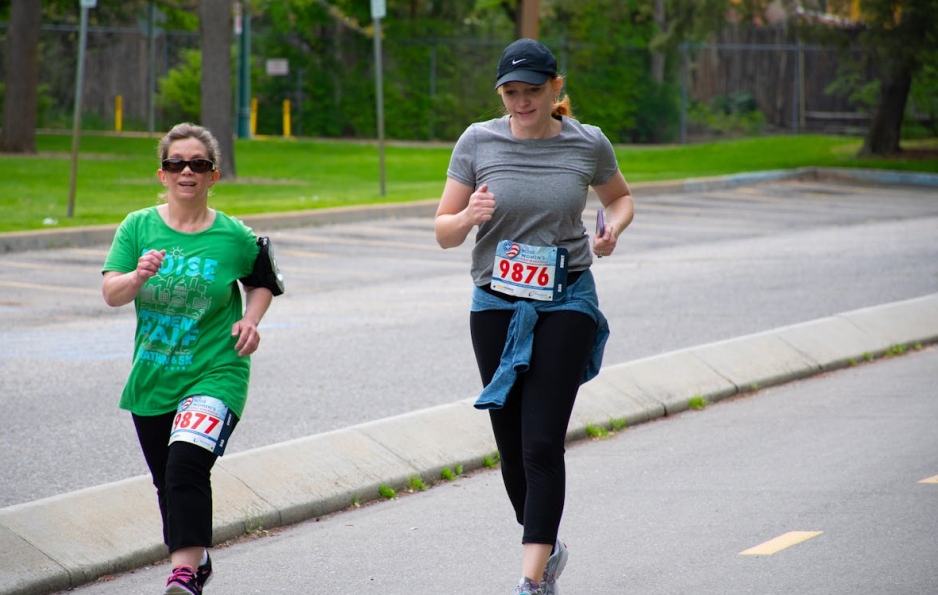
(117, 174)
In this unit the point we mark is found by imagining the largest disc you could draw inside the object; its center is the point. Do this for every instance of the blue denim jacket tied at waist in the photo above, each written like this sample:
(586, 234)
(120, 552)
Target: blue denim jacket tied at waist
(516, 357)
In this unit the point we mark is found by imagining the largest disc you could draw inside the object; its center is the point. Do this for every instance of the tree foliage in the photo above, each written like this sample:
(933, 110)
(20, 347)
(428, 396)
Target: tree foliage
(900, 38)
(901, 45)
(620, 58)
(439, 62)
(178, 93)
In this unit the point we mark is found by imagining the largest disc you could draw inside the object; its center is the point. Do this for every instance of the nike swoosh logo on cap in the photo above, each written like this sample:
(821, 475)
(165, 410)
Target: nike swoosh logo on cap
(513, 62)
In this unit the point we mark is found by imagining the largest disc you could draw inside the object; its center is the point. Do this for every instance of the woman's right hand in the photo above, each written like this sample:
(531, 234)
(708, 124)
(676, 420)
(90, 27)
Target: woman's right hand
(149, 264)
(461, 208)
(121, 288)
(481, 205)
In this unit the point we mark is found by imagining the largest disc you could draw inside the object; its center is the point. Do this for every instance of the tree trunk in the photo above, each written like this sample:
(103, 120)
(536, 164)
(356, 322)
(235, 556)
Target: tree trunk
(217, 113)
(529, 19)
(886, 125)
(22, 66)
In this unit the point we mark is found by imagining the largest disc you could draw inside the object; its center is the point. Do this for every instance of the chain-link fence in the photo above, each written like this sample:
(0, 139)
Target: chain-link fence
(788, 85)
(437, 86)
(123, 62)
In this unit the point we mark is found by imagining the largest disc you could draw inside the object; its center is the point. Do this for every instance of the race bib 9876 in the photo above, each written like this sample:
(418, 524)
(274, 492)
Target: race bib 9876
(534, 272)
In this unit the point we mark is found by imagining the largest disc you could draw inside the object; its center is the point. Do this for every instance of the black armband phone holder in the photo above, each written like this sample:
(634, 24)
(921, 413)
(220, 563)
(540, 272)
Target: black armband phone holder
(266, 273)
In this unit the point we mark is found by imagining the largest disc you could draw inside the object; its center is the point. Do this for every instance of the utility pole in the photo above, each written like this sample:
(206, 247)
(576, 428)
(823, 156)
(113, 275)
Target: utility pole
(529, 19)
(79, 83)
(378, 12)
(243, 32)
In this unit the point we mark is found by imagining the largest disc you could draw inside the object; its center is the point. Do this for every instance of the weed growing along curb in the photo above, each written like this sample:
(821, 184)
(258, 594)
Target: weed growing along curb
(697, 403)
(448, 474)
(598, 431)
(416, 483)
(490, 461)
(895, 350)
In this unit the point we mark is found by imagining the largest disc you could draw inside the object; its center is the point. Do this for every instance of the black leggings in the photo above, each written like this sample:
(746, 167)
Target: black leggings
(530, 430)
(182, 474)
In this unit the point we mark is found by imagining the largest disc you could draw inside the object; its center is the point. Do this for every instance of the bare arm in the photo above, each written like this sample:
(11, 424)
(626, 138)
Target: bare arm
(460, 210)
(257, 302)
(616, 197)
(121, 288)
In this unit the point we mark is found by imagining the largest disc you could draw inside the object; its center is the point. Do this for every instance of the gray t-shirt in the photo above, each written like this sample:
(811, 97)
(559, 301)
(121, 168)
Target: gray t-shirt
(540, 187)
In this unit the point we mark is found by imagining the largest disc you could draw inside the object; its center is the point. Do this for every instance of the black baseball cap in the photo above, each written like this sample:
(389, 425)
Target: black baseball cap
(526, 61)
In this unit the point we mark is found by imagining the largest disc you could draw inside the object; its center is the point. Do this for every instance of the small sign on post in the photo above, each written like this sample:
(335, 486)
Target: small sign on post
(277, 67)
(89, 3)
(378, 9)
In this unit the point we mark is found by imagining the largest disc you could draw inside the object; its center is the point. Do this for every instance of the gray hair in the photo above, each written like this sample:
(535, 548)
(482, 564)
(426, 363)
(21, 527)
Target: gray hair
(189, 130)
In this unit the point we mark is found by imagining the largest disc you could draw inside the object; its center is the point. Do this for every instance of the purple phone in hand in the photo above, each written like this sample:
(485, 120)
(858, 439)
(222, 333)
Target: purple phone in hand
(600, 223)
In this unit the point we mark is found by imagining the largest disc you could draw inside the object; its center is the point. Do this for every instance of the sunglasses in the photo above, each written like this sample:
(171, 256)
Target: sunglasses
(198, 166)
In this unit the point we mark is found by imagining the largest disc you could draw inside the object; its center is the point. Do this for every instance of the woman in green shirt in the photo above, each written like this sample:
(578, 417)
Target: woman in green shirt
(180, 263)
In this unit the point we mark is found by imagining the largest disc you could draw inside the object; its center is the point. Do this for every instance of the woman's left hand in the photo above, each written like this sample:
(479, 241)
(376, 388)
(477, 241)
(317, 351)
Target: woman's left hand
(605, 244)
(249, 338)
(616, 198)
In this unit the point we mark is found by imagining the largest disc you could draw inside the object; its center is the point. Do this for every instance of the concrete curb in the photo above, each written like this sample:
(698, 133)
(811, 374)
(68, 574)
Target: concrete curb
(62, 542)
(76, 237)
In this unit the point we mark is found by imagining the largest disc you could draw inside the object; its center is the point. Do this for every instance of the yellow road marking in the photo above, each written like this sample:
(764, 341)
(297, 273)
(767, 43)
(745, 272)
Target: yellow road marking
(779, 543)
(303, 253)
(95, 251)
(356, 242)
(930, 480)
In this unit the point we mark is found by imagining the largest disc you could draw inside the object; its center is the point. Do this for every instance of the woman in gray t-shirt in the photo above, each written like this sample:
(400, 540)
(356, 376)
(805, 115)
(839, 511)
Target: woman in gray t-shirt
(523, 179)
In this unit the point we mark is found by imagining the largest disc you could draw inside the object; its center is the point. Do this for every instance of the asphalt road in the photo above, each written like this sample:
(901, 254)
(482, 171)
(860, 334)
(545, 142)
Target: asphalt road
(841, 468)
(375, 319)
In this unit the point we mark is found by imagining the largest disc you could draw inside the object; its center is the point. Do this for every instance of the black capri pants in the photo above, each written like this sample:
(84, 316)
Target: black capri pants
(531, 429)
(182, 474)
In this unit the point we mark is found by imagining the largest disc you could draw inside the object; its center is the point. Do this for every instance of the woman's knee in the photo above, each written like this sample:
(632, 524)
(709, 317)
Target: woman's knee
(188, 463)
(544, 451)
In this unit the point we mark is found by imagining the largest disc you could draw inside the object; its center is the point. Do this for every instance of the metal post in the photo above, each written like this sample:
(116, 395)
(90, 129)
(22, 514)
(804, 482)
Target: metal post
(564, 52)
(151, 75)
(684, 69)
(379, 97)
(801, 93)
(244, 78)
(795, 91)
(299, 102)
(432, 88)
(76, 118)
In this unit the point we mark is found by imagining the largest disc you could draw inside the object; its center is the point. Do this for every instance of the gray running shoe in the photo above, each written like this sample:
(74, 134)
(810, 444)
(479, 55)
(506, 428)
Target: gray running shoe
(554, 567)
(528, 587)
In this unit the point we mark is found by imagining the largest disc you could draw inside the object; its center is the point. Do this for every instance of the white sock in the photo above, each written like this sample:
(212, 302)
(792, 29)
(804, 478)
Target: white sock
(204, 558)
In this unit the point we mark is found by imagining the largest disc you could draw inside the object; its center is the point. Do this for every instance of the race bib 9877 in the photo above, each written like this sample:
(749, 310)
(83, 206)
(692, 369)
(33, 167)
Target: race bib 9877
(204, 421)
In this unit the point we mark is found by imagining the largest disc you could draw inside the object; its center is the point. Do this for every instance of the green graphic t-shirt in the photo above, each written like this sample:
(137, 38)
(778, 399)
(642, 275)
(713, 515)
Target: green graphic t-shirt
(183, 344)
